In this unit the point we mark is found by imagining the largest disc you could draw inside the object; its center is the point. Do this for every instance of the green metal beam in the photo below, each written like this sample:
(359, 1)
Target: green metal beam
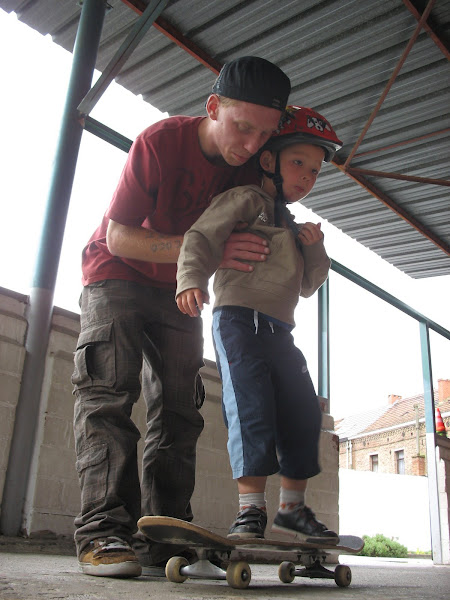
(140, 28)
(389, 298)
(430, 436)
(107, 134)
(430, 424)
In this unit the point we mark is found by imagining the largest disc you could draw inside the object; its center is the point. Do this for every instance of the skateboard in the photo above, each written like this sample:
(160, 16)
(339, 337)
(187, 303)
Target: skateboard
(228, 559)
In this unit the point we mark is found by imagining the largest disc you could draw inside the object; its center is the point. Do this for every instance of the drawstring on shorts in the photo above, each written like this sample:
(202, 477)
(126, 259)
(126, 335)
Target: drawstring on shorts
(256, 322)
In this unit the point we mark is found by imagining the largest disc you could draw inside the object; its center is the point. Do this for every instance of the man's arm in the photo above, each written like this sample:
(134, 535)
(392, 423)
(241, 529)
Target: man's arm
(139, 243)
(151, 246)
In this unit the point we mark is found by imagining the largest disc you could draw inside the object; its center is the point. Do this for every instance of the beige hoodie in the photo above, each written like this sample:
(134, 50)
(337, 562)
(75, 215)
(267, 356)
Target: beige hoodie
(274, 286)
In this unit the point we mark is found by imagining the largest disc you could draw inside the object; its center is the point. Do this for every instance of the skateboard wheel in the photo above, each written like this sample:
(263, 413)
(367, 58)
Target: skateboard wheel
(342, 575)
(239, 575)
(173, 569)
(286, 572)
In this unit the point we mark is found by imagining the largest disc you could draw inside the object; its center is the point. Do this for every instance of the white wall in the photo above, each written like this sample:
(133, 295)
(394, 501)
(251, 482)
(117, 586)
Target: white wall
(394, 505)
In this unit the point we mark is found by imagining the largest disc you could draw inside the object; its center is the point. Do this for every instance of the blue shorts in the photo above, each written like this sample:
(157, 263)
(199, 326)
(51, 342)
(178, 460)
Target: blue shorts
(269, 404)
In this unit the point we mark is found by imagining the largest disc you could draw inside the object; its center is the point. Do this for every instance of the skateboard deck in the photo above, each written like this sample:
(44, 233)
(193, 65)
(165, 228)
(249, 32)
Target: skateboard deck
(213, 550)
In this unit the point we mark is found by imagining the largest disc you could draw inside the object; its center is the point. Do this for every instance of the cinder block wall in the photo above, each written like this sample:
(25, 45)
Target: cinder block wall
(13, 327)
(54, 493)
(53, 490)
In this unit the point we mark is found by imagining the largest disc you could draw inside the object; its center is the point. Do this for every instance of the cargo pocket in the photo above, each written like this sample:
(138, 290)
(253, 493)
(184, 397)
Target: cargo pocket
(92, 467)
(95, 358)
(200, 393)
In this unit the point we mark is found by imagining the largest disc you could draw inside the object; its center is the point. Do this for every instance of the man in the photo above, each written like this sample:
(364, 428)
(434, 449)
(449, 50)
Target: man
(130, 321)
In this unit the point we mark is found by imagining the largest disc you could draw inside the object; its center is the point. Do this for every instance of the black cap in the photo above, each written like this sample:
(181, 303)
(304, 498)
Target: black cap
(253, 79)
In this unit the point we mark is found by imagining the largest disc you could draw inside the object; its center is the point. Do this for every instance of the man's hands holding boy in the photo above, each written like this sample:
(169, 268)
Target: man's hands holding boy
(248, 246)
(243, 246)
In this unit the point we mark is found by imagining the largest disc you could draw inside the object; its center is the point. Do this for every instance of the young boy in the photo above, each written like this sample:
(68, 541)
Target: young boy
(269, 403)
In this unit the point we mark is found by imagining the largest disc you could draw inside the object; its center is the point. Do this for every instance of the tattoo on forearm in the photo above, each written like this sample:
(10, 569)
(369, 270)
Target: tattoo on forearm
(160, 244)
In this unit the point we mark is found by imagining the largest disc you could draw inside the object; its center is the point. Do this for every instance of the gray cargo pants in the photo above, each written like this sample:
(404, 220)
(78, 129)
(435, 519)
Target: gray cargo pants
(127, 328)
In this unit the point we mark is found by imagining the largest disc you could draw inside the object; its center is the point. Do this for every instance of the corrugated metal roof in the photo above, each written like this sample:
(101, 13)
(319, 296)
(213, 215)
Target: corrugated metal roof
(339, 54)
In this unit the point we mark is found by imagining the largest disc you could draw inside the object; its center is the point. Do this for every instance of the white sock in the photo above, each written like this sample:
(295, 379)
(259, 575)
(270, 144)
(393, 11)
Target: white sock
(257, 499)
(289, 499)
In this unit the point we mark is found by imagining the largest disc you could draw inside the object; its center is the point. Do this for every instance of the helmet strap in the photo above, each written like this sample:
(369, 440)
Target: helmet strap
(281, 212)
(280, 202)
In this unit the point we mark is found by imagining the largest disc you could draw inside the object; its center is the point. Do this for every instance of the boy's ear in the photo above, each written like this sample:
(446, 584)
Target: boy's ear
(212, 107)
(267, 161)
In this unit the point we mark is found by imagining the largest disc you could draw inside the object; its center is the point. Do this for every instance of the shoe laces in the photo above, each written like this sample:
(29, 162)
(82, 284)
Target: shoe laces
(110, 543)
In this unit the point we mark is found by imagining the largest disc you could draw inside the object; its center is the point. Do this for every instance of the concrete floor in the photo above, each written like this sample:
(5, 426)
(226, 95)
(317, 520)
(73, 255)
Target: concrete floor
(34, 574)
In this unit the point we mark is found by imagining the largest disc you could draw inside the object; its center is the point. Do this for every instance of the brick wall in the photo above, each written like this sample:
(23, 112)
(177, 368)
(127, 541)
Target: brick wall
(385, 445)
(357, 453)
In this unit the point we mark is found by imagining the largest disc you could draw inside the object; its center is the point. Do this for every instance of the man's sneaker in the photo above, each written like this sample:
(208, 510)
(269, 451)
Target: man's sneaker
(109, 557)
(250, 523)
(302, 524)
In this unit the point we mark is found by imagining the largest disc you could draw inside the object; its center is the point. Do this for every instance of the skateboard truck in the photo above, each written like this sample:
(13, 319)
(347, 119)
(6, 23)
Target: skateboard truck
(237, 574)
(342, 574)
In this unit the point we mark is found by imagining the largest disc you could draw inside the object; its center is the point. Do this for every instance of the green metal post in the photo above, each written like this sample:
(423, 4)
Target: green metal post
(29, 413)
(433, 492)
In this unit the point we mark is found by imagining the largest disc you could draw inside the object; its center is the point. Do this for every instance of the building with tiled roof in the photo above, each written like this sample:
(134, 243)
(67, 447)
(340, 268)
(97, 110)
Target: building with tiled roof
(391, 438)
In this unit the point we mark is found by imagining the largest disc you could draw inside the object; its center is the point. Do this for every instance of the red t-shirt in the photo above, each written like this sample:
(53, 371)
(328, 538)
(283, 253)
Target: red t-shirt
(166, 184)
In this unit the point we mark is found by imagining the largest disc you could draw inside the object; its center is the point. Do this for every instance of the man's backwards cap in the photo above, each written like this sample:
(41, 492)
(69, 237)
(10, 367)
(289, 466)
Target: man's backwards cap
(253, 79)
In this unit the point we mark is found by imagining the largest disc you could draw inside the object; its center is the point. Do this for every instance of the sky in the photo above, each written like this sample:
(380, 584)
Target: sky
(375, 349)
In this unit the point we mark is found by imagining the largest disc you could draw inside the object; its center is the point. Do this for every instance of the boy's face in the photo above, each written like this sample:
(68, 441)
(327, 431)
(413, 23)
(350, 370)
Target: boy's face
(300, 165)
(240, 129)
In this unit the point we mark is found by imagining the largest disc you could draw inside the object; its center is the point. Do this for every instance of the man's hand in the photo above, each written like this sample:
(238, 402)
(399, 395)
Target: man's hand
(310, 233)
(190, 302)
(243, 246)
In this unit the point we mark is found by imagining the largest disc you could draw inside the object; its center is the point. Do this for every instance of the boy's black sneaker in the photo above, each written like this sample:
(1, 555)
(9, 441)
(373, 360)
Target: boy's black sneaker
(250, 523)
(302, 524)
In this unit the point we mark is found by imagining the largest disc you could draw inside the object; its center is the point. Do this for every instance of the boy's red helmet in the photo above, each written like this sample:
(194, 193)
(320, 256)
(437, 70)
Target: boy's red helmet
(301, 125)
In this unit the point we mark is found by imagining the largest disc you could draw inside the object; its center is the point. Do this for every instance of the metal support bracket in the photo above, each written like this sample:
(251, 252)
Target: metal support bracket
(140, 28)
(315, 571)
(203, 569)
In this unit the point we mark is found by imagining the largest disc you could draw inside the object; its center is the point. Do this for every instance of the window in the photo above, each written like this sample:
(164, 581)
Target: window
(374, 462)
(400, 462)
